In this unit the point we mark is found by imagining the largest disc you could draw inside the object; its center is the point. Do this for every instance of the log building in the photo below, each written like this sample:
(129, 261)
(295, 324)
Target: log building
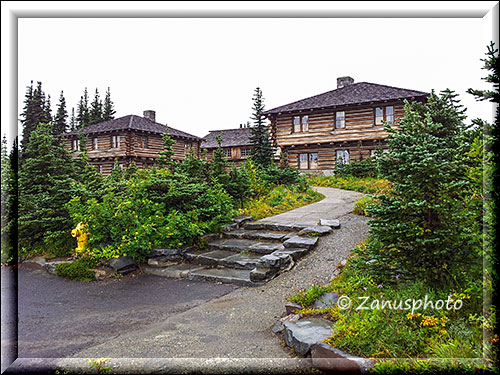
(340, 125)
(235, 144)
(129, 139)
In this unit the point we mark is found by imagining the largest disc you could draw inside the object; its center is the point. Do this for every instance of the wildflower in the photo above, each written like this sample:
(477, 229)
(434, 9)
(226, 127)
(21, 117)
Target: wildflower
(380, 286)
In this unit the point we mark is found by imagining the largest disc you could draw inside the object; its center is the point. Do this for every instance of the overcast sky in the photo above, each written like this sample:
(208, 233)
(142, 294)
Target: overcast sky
(199, 74)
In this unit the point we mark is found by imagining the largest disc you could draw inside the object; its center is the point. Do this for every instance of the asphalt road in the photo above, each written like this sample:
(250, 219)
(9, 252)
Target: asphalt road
(59, 317)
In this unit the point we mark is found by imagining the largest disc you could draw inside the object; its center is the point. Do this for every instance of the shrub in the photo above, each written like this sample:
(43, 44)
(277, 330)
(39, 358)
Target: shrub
(363, 168)
(79, 270)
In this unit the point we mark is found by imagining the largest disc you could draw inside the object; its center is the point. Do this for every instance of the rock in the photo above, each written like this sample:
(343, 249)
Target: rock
(123, 264)
(291, 307)
(335, 224)
(160, 262)
(326, 300)
(261, 274)
(51, 267)
(172, 254)
(303, 242)
(35, 262)
(242, 219)
(295, 253)
(319, 230)
(99, 274)
(279, 327)
(330, 359)
(229, 227)
(301, 335)
(274, 261)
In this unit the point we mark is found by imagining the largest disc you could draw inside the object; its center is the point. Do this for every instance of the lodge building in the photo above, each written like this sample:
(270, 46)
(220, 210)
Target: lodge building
(340, 125)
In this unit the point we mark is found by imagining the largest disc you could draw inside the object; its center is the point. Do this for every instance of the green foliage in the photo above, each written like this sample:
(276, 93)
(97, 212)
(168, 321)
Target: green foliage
(361, 206)
(429, 227)
(108, 111)
(83, 113)
(96, 110)
(363, 168)
(363, 185)
(262, 150)
(46, 183)
(307, 297)
(166, 156)
(79, 270)
(60, 125)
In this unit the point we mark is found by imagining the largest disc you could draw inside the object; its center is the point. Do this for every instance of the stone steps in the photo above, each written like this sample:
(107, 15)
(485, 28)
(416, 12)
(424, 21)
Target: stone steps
(246, 253)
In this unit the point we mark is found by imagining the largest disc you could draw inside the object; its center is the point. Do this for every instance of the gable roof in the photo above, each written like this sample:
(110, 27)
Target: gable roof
(132, 122)
(230, 138)
(356, 93)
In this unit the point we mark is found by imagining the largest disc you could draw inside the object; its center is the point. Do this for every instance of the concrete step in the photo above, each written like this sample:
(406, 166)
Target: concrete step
(240, 245)
(256, 235)
(223, 275)
(301, 242)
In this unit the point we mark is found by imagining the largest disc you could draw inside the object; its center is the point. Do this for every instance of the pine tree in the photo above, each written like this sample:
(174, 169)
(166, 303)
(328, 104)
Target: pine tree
(427, 228)
(83, 115)
(60, 124)
(262, 150)
(6, 174)
(47, 111)
(72, 120)
(12, 203)
(46, 184)
(108, 107)
(95, 112)
(166, 156)
(34, 111)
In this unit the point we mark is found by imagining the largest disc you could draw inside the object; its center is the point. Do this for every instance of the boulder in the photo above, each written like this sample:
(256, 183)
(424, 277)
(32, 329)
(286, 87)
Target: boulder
(326, 300)
(327, 358)
(274, 261)
(291, 307)
(229, 227)
(171, 254)
(242, 219)
(160, 262)
(319, 230)
(334, 223)
(302, 242)
(261, 274)
(123, 264)
(301, 335)
(279, 327)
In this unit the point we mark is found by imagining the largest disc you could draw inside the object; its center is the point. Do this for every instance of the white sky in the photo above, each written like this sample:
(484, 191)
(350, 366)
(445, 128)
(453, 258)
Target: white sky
(199, 74)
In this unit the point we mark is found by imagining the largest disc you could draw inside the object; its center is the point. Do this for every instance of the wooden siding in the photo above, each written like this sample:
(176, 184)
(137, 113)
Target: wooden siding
(235, 157)
(130, 149)
(359, 126)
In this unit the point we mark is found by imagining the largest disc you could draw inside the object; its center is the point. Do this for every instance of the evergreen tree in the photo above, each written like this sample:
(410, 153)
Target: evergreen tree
(47, 111)
(6, 174)
(108, 107)
(428, 227)
(10, 231)
(166, 156)
(46, 184)
(60, 125)
(219, 164)
(262, 150)
(95, 113)
(83, 115)
(72, 120)
(34, 111)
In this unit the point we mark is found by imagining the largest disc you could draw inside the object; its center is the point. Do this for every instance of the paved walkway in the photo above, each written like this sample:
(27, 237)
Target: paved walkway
(237, 326)
(337, 203)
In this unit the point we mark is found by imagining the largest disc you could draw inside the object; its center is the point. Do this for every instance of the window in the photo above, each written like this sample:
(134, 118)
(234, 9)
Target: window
(308, 161)
(188, 146)
(384, 113)
(342, 156)
(75, 144)
(340, 119)
(379, 115)
(115, 141)
(227, 152)
(246, 152)
(122, 166)
(143, 141)
(99, 168)
(300, 124)
(95, 143)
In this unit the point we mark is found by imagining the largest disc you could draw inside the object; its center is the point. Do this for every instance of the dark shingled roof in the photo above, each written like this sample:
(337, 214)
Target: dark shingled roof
(356, 93)
(132, 122)
(230, 138)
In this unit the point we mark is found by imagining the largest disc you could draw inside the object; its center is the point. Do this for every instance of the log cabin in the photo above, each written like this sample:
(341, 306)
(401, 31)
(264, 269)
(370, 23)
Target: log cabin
(235, 144)
(129, 139)
(341, 125)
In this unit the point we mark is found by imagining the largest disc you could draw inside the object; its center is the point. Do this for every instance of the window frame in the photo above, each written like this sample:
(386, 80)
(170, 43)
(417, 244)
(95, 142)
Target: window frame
(228, 152)
(383, 117)
(75, 145)
(115, 141)
(95, 143)
(344, 152)
(245, 152)
(302, 126)
(308, 160)
(342, 119)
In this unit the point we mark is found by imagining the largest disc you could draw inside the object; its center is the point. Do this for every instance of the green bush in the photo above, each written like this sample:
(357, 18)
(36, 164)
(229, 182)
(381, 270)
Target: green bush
(79, 270)
(363, 168)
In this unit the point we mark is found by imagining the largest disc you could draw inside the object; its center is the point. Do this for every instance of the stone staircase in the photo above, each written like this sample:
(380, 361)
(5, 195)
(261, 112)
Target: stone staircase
(246, 253)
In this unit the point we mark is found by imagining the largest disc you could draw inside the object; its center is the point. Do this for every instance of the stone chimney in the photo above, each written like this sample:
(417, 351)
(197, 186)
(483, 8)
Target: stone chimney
(344, 81)
(151, 115)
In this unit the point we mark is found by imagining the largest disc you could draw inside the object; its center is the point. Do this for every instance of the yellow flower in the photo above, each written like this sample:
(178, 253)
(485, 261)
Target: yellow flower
(180, 243)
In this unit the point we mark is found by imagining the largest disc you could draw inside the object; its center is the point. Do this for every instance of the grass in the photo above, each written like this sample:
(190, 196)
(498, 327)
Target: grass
(386, 333)
(279, 200)
(367, 185)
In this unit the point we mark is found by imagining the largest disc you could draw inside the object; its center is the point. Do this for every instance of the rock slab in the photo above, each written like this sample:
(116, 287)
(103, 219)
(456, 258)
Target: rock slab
(334, 223)
(123, 264)
(330, 359)
(319, 230)
(326, 300)
(301, 335)
(301, 242)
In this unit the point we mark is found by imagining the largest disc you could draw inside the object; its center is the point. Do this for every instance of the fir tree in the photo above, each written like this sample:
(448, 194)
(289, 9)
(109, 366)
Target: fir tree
(60, 124)
(34, 111)
(10, 231)
(83, 115)
(46, 184)
(219, 164)
(72, 120)
(6, 174)
(262, 150)
(95, 112)
(108, 107)
(166, 156)
(47, 111)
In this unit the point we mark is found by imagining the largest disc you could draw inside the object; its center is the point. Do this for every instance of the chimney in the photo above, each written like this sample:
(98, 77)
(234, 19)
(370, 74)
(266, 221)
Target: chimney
(344, 81)
(151, 115)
